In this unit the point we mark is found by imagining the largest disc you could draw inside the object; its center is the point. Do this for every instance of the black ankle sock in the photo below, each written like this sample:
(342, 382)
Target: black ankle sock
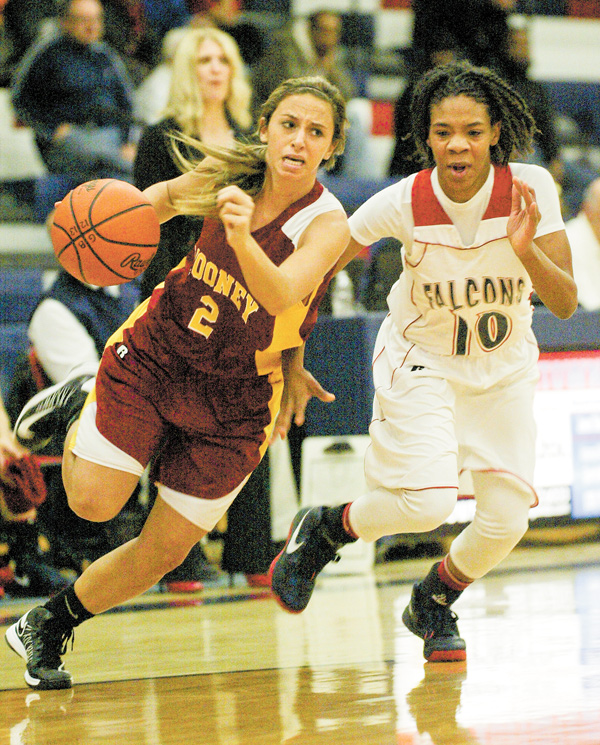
(67, 609)
(437, 591)
(333, 519)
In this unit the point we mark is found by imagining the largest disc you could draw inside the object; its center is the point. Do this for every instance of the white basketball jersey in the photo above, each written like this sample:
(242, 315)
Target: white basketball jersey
(457, 299)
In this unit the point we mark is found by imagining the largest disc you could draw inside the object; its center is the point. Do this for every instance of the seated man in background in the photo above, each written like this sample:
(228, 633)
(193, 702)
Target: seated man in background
(74, 91)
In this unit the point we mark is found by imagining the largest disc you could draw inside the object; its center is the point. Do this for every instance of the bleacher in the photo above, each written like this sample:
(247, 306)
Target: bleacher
(20, 290)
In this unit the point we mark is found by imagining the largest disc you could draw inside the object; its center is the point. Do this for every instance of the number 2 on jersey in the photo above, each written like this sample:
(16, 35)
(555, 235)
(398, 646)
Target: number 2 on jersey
(204, 316)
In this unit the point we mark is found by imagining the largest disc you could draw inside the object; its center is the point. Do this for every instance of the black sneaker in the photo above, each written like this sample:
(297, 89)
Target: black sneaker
(294, 571)
(46, 417)
(41, 648)
(436, 625)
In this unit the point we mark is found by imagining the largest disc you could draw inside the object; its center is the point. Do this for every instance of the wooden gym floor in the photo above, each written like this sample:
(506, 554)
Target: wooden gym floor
(229, 667)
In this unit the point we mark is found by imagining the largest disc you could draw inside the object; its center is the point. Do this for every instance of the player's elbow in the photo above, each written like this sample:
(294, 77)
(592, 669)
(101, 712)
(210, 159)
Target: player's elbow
(278, 300)
(567, 307)
(276, 306)
(566, 313)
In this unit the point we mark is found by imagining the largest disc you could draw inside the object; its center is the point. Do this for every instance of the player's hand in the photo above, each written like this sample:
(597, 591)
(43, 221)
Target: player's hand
(524, 217)
(235, 210)
(300, 387)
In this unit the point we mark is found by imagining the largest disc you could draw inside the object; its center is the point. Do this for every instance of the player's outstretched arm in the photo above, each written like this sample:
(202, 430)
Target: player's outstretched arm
(168, 197)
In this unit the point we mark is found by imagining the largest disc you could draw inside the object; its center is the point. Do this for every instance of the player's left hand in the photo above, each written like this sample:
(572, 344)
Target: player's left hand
(235, 210)
(524, 217)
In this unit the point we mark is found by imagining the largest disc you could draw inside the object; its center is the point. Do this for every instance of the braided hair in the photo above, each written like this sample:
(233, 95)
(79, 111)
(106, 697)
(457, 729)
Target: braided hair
(503, 103)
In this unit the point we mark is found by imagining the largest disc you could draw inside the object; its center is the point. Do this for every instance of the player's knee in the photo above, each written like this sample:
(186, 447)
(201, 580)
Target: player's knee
(503, 529)
(432, 506)
(93, 493)
(387, 512)
(88, 506)
(502, 509)
(516, 528)
(91, 501)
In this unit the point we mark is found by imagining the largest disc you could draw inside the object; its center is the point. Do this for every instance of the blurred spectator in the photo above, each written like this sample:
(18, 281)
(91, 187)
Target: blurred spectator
(515, 70)
(9, 447)
(164, 15)
(23, 568)
(478, 28)
(573, 176)
(583, 232)
(312, 47)
(22, 21)
(76, 94)
(305, 49)
(209, 99)
(152, 95)
(127, 31)
(226, 15)
(69, 328)
(404, 160)
(513, 65)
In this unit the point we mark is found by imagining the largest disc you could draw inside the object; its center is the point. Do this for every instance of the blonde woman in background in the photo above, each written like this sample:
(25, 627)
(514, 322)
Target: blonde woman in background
(209, 100)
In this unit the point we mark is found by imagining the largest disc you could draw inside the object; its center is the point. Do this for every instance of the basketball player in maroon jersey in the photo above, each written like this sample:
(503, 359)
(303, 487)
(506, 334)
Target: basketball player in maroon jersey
(193, 380)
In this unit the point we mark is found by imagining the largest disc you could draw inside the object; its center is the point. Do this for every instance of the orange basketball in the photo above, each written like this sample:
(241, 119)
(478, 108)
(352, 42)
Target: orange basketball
(105, 232)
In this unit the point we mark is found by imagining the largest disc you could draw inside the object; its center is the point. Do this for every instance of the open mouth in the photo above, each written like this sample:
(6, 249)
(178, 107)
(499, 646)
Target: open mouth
(293, 160)
(458, 168)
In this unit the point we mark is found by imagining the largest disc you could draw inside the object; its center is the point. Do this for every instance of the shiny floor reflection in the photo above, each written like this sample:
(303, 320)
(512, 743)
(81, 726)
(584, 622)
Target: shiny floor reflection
(229, 670)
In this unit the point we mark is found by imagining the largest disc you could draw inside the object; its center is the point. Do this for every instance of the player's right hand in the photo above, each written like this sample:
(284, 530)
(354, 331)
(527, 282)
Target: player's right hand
(300, 386)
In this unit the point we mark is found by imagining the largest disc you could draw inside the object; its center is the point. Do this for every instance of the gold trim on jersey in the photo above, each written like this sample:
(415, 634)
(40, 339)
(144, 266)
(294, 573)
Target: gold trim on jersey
(137, 313)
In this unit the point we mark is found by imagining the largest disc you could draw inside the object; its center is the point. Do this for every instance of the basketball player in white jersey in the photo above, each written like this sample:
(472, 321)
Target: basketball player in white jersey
(455, 362)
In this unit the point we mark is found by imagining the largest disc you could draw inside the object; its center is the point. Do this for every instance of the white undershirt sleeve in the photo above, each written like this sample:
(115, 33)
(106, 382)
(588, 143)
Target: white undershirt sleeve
(60, 340)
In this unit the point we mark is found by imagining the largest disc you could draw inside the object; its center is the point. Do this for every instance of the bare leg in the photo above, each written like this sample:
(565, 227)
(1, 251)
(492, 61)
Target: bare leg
(99, 493)
(139, 564)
